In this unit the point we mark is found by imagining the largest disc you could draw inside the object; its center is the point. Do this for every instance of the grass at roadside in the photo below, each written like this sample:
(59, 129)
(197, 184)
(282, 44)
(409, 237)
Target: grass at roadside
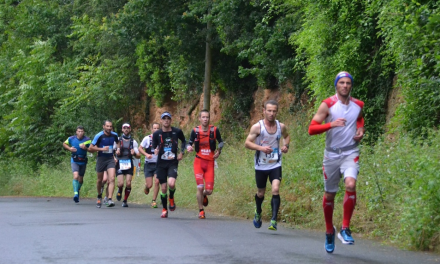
(398, 188)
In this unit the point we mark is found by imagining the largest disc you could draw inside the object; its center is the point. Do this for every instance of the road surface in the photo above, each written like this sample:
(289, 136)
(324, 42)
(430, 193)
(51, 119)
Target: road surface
(56, 230)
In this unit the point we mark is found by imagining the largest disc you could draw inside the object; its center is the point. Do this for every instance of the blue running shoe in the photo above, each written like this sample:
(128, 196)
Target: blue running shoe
(345, 236)
(330, 242)
(76, 198)
(257, 220)
(273, 225)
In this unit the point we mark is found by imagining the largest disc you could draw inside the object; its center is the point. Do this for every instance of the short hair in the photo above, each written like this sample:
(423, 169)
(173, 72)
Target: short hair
(155, 123)
(204, 111)
(107, 120)
(271, 102)
(80, 127)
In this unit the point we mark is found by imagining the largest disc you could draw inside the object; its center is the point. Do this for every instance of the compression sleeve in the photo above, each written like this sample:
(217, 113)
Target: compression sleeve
(219, 137)
(155, 142)
(360, 122)
(317, 128)
(183, 140)
(192, 137)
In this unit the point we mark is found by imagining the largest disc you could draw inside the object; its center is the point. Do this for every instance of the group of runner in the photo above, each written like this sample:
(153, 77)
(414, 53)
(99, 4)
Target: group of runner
(269, 138)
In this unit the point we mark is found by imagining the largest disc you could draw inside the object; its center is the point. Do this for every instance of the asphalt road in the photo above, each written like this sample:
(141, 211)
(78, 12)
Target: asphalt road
(56, 230)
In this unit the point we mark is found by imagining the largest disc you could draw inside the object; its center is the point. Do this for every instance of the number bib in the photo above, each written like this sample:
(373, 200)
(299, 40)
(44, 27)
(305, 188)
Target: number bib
(124, 164)
(269, 158)
(168, 155)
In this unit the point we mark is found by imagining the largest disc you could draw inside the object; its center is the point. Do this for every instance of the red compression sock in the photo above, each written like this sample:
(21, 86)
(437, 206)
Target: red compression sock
(349, 204)
(328, 214)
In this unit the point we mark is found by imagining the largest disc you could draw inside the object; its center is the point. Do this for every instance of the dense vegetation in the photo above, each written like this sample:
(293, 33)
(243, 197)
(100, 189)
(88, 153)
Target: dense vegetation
(65, 62)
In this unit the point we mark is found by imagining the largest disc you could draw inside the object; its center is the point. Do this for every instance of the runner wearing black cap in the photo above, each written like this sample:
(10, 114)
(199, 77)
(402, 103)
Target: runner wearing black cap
(165, 145)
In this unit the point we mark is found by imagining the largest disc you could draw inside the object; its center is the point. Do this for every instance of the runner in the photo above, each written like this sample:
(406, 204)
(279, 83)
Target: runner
(264, 137)
(165, 145)
(344, 127)
(103, 143)
(204, 137)
(146, 149)
(124, 165)
(78, 146)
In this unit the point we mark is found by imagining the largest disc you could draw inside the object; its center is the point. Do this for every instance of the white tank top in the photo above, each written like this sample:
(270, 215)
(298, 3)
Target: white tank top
(339, 137)
(270, 161)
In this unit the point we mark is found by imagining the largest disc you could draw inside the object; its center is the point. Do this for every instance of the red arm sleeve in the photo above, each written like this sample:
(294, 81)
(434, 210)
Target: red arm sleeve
(317, 128)
(359, 123)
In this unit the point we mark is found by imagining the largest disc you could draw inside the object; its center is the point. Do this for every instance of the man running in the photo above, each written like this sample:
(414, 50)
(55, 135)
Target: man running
(203, 137)
(128, 148)
(146, 149)
(103, 143)
(344, 127)
(78, 146)
(264, 137)
(165, 145)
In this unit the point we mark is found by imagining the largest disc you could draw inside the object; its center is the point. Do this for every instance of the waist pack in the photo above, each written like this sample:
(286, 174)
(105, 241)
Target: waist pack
(79, 158)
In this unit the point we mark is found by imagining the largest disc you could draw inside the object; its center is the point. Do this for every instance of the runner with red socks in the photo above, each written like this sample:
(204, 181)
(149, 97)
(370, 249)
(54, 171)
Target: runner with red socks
(344, 127)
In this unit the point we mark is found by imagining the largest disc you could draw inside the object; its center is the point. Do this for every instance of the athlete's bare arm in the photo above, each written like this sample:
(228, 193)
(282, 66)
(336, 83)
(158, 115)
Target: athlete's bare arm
(143, 152)
(316, 126)
(69, 148)
(286, 138)
(250, 140)
(94, 148)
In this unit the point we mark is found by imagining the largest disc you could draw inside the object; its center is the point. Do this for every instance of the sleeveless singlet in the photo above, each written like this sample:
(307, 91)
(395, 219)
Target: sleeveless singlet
(270, 161)
(339, 137)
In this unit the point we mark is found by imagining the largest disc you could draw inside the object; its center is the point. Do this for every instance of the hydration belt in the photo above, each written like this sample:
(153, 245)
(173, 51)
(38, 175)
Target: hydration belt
(340, 150)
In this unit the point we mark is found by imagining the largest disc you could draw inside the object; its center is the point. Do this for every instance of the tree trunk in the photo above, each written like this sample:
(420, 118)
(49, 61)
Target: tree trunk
(208, 64)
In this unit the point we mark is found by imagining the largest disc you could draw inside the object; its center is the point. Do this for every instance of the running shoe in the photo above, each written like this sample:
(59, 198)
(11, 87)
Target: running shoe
(172, 205)
(146, 190)
(330, 242)
(98, 203)
(345, 236)
(119, 195)
(205, 200)
(273, 225)
(110, 203)
(164, 213)
(153, 204)
(124, 204)
(202, 215)
(76, 198)
(105, 201)
(257, 220)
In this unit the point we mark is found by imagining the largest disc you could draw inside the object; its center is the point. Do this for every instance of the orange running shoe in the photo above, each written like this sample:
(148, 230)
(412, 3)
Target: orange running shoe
(164, 213)
(202, 215)
(205, 200)
(172, 205)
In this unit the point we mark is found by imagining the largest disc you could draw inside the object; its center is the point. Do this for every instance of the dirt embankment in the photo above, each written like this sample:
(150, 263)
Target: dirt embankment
(185, 112)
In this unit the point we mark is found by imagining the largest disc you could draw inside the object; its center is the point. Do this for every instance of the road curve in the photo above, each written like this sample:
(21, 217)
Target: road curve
(56, 230)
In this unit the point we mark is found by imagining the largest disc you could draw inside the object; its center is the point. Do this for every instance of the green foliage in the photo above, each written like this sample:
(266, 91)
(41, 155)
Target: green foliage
(343, 36)
(411, 30)
(66, 63)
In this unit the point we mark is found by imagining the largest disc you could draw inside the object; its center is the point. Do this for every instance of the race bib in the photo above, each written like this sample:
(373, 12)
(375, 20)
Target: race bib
(110, 150)
(124, 164)
(168, 155)
(269, 158)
